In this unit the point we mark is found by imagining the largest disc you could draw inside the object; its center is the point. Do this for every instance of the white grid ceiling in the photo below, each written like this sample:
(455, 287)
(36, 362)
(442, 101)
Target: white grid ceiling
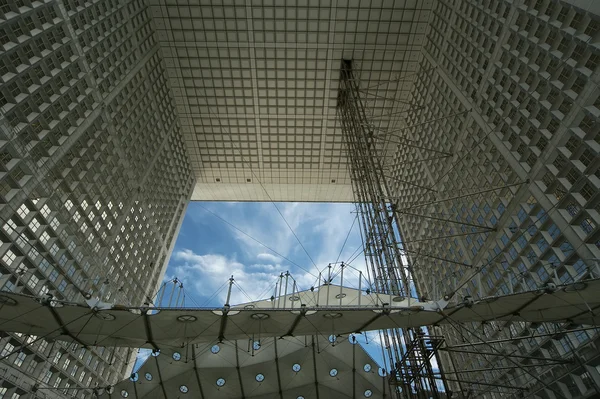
(256, 83)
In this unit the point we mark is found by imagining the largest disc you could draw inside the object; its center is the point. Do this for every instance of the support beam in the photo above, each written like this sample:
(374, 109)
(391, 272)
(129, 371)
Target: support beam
(160, 378)
(499, 341)
(149, 336)
(239, 371)
(314, 352)
(563, 361)
(484, 383)
(479, 226)
(354, 369)
(489, 190)
(278, 370)
(196, 371)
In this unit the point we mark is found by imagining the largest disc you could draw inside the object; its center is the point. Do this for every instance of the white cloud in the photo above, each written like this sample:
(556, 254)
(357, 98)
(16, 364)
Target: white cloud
(268, 258)
(321, 228)
(265, 267)
(207, 274)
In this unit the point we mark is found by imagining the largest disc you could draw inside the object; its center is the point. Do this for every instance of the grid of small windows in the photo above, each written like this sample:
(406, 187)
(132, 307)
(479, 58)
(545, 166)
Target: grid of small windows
(74, 172)
(526, 74)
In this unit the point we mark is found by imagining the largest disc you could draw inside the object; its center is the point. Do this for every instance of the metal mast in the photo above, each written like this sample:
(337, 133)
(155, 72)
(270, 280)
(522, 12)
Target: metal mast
(412, 372)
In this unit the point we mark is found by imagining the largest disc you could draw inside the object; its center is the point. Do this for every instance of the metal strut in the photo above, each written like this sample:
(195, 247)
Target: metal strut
(407, 349)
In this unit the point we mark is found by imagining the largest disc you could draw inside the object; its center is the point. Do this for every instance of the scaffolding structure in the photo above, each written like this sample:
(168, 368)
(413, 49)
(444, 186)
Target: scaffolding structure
(411, 360)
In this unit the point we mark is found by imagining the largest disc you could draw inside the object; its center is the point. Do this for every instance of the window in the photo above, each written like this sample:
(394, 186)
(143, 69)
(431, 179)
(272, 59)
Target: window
(44, 237)
(522, 215)
(8, 349)
(47, 377)
(32, 366)
(554, 231)
(587, 191)
(43, 345)
(587, 225)
(44, 264)
(542, 244)
(19, 359)
(501, 208)
(33, 281)
(9, 257)
(53, 275)
(542, 274)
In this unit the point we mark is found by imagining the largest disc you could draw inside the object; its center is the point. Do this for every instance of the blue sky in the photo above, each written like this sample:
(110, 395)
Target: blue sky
(208, 250)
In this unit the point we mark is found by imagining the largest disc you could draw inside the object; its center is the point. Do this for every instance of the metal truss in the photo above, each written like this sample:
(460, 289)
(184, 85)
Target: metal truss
(410, 352)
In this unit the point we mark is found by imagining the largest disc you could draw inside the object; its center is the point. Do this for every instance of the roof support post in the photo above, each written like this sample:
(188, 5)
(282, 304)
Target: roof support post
(239, 371)
(196, 371)
(354, 368)
(314, 351)
(277, 368)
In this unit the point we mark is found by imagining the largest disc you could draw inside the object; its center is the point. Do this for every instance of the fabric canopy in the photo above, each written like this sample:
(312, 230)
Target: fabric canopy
(306, 367)
(114, 325)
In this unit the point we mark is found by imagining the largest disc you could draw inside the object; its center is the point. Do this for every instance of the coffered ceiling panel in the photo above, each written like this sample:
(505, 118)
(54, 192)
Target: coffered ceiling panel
(256, 82)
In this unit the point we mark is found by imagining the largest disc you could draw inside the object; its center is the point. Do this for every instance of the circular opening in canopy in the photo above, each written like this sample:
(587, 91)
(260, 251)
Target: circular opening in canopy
(367, 367)
(104, 316)
(368, 393)
(333, 372)
(148, 376)
(215, 349)
(340, 296)
(578, 286)
(183, 389)
(155, 352)
(134, 377)
(296, 367)
(256, 345)
(124, 393)
(332, 338)
(260, 377)
(186, 318)
(176, 356)
(220, 382)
